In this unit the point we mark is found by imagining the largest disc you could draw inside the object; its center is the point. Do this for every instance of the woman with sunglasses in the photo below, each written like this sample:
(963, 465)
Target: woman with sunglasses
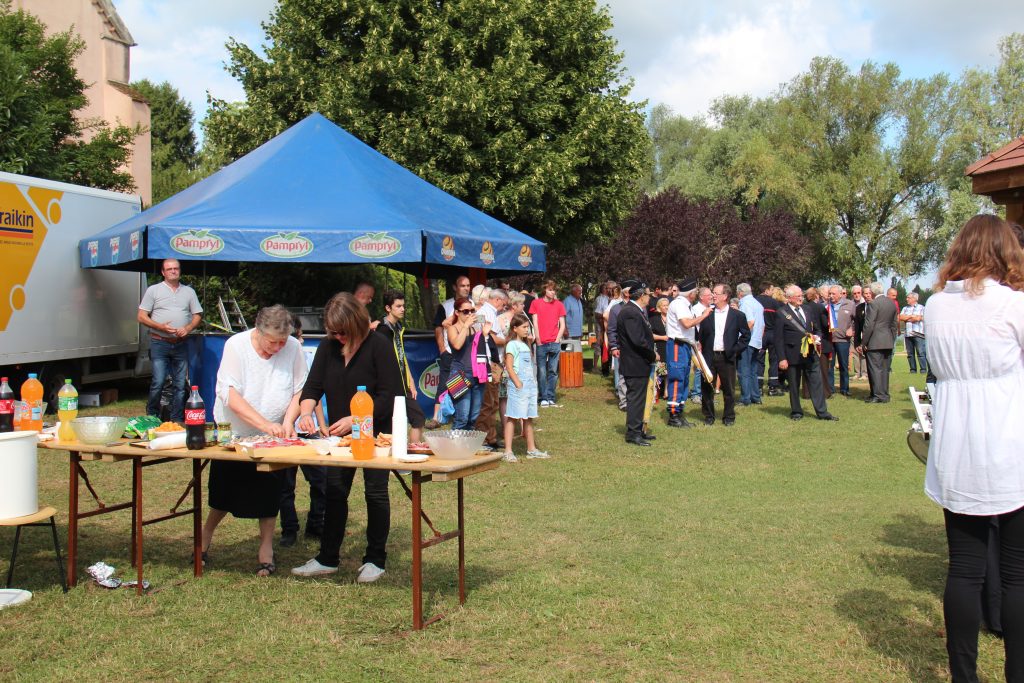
(351, 356)
(465, 332)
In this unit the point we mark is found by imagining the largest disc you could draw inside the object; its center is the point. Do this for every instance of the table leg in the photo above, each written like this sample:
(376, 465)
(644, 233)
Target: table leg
(417, 552)
(137, 519)
(135, 516)
(197, 518)
(76, 460)
(462, 548)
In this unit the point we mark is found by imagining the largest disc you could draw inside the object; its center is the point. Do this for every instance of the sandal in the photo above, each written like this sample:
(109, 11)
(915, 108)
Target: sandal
(268, 567)
(205, 558)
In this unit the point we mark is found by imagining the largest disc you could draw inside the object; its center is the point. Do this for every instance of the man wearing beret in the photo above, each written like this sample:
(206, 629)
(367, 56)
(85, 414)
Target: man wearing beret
(636, 354)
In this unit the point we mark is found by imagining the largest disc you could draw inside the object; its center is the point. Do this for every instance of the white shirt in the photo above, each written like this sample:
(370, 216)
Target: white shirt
(914, 329)
(679, 310)
(976, 350)
(601, 303)
(449, 309)
(721, 314)
(267, 384)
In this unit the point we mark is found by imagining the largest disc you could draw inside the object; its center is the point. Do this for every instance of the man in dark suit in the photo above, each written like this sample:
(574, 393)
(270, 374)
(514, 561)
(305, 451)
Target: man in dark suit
(798, 333)
(636, 354)
(723, 336)
(877, 341)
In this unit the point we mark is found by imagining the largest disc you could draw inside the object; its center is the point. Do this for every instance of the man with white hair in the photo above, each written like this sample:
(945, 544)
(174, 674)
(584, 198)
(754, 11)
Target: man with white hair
(857, 294)
(841, 313)
(913, 317)
(798, 330)
(877, 340)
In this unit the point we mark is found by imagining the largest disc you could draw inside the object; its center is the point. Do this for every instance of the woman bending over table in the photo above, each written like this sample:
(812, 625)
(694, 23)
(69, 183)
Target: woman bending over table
(258, 383)
(975, 328)
(351, 356)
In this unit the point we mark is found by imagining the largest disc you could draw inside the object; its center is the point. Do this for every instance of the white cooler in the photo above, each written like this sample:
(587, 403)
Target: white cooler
(19, 471)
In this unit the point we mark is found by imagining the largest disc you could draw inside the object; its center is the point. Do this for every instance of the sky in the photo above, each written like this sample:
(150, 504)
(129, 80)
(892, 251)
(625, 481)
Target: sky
(683, 53)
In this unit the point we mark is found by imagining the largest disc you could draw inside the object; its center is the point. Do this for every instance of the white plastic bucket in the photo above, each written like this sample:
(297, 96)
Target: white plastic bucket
(19, 472)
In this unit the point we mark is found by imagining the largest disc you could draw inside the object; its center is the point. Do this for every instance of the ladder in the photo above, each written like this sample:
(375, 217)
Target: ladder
(230, 314)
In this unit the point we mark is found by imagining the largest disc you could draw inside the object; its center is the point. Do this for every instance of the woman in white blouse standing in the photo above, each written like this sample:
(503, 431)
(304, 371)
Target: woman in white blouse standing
(259, 380)
(975, 328)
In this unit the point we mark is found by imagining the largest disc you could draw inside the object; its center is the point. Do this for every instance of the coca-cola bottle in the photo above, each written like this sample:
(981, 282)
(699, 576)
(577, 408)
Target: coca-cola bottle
(195, 421)
(6, 406)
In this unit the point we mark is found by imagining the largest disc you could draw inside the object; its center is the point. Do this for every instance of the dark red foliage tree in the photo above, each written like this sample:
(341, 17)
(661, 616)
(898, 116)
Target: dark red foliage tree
(668, 237)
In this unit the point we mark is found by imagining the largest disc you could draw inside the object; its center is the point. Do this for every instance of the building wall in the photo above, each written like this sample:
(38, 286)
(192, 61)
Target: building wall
(105, 66)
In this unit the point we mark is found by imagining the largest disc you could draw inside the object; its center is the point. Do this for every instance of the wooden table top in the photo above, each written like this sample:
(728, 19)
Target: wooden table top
(439, 469)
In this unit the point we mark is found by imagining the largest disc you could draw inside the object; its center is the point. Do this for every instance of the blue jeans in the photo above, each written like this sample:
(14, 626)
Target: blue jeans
(467, 408)
(677, 359)
(168, 360)
(750, 388)
(916, 344)
(840, 355)
(547, 370)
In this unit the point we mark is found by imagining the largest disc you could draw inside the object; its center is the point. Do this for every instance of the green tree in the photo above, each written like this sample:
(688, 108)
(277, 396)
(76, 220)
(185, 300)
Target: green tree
(174, 142)
(518, 108)
(40, 91)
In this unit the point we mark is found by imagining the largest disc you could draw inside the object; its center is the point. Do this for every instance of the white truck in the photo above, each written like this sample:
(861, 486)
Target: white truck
(58, 319)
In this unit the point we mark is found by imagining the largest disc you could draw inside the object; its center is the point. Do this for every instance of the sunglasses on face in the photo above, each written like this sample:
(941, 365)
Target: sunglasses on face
(466, 310)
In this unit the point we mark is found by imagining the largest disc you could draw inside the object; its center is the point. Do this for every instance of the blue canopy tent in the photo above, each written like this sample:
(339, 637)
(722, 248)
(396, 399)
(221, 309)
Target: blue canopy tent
(315, 194)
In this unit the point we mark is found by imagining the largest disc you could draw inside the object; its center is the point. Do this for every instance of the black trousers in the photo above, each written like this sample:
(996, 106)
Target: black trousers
(725, 370)
(636, 397)
(879, 363)
(810, 372)
(317, 478)
(378, 515)
(968, 538)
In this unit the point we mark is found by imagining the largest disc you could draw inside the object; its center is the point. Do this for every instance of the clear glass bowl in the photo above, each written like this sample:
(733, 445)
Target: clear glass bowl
(455, 444)
(99, 430)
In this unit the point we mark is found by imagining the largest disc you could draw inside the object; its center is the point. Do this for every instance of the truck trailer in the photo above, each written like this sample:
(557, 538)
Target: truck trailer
(57, 319)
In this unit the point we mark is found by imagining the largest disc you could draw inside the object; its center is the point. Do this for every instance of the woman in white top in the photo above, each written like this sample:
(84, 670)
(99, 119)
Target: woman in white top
(975, 328)
(259, 380)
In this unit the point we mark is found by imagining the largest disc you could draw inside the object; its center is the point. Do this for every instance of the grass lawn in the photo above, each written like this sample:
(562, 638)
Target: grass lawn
(771, 551)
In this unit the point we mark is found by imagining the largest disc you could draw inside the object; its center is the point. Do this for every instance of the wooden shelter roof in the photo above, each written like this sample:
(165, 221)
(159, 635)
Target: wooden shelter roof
(999, 171)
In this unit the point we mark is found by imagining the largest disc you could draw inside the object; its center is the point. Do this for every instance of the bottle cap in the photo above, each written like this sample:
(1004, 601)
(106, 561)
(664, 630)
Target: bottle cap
(67, 381)
(3, 379)
(195, 388)
(31, 375)
(361, 388)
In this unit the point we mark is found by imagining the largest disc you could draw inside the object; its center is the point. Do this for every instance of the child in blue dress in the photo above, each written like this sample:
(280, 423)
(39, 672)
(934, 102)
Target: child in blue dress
(522, 388)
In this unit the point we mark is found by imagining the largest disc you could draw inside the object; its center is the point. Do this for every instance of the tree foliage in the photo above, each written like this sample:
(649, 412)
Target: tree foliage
(40, 91)
(515, 107)
(669, 236)
(175, 158)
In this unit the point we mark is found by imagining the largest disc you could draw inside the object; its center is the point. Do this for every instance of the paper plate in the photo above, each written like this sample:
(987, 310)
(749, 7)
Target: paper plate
(412, 457)
(13, 596)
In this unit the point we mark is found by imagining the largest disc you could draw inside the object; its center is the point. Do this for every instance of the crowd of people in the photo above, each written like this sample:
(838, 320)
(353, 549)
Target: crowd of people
(684, 342)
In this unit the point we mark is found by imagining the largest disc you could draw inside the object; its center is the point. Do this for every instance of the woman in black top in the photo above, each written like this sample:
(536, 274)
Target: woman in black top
(351, 356)
(658, 321)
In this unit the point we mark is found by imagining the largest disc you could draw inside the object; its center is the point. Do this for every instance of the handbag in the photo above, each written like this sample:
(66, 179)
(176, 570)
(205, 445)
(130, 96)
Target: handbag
(457, 384)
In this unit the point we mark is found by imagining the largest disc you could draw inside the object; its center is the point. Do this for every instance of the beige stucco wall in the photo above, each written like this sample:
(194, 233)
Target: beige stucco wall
(106, 58)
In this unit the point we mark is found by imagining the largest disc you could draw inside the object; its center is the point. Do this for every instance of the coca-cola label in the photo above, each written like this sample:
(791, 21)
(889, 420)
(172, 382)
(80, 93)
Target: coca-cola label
(195, 416)
(67, 403)
(6, 406)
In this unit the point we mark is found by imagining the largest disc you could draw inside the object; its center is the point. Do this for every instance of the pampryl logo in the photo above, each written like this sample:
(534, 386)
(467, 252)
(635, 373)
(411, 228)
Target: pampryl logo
(287, 245)
(375, 245)
(448, 248)
(197, 243)
(525, 255)
(429, 379)
(487, 253)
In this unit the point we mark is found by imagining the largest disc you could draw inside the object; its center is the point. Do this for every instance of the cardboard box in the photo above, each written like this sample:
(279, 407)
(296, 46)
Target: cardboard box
(94, 399)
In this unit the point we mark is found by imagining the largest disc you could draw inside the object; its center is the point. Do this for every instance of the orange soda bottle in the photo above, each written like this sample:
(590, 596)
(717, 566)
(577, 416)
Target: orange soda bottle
(363, 441)
(32, 395)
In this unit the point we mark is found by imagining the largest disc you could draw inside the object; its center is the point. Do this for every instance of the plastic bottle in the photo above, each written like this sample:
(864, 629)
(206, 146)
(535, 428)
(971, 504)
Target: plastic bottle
(67, 410)
(399, 429)
(6, 406)
(195, 421)
(32, 395)
(363, 441)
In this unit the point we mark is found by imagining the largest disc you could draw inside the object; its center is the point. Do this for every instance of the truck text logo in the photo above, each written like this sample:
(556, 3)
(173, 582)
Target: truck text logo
(287, 245)
(16, 223)
(375, 245)
(197, 243)
(26, 216)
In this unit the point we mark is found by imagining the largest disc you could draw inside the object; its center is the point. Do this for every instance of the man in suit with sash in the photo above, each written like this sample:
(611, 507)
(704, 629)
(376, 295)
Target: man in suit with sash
(798, 331)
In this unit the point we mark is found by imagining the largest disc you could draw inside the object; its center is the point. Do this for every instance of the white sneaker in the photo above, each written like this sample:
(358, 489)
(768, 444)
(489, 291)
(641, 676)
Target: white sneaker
(313, 568)
(545, 404)
(369, 573)
(537, 455)
(509, 457)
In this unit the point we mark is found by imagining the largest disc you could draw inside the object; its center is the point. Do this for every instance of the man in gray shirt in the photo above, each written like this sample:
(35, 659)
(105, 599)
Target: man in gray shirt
(171, 311)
